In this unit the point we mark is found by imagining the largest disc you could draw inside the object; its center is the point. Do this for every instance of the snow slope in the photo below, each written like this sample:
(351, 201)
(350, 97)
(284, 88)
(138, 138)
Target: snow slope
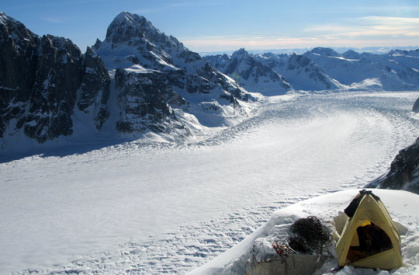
(152, 208)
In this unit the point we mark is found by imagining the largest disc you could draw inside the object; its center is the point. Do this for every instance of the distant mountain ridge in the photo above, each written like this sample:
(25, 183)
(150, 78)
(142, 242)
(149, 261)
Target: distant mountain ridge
(251, 74)
(326, 69)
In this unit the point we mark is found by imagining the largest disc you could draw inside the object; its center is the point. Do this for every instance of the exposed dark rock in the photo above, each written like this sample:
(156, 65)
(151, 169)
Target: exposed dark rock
(416, 106)
(95, 88)
(57, 77)
(39, 81)
(404, 171)
(143, 103)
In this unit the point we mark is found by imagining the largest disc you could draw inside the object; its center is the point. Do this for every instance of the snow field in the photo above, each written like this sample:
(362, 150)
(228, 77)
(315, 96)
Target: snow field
(164, 208)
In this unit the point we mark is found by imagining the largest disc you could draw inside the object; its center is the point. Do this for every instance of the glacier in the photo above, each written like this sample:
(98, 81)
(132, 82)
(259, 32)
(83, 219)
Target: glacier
(155, 207)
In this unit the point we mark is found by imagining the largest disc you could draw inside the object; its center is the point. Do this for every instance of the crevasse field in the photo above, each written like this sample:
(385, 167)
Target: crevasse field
(152, 208)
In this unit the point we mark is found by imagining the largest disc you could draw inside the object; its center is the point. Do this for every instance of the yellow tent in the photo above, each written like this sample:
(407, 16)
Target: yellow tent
(370, 238)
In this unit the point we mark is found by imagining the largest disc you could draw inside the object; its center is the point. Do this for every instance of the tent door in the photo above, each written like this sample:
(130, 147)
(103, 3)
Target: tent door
(371, 239)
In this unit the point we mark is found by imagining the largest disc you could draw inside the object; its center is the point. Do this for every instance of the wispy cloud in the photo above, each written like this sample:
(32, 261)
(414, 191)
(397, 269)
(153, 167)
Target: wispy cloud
(363, 31)
(371, 38)
(146, 11)
(197, 3)
(55, 20)
(372, 26)
(234, 42)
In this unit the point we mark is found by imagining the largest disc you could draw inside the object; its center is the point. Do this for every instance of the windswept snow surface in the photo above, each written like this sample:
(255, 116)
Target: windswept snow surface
(164, 208)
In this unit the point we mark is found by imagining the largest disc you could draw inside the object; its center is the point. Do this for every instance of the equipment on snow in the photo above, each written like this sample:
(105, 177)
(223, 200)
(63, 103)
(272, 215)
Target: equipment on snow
(370, 238)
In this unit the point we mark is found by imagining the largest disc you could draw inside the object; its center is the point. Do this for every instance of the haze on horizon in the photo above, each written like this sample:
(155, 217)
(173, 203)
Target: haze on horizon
(227, 25)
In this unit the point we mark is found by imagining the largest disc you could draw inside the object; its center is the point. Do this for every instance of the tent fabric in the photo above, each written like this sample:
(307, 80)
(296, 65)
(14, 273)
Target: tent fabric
(381, 252)
(350, 210)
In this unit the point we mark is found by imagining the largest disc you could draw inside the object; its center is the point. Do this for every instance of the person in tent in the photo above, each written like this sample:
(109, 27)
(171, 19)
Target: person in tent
(370, 238)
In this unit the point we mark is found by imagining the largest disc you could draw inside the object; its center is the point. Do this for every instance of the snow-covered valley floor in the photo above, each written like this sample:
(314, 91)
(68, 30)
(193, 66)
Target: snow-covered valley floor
(164, 208)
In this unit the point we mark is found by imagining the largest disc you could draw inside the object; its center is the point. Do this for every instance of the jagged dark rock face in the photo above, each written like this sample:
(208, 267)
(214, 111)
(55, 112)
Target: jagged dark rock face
(143, 102)
(18, 47)
(42, 79)
(57, 77)
(416, 106)
(404, 171)
(95, 88)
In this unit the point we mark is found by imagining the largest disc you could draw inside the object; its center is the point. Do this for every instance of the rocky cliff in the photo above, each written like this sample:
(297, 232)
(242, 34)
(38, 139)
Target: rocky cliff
(42, 81)
(416, 106)
(404, 171)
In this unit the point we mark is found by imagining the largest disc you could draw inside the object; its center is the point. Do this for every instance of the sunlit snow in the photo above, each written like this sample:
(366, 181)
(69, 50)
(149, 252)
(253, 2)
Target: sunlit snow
(161, 207)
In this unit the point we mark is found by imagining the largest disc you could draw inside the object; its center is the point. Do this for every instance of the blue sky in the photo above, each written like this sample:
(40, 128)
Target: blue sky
(218, 25)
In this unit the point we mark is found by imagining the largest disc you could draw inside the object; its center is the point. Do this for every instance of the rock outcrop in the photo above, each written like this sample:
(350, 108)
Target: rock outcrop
(143, 100)
(404, 171)
(43, 79)
(416, 106)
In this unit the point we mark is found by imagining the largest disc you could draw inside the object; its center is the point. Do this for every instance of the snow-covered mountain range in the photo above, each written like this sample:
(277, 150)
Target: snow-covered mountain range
(250, 73)
(159, 74)
(138, 80)
(322, 69)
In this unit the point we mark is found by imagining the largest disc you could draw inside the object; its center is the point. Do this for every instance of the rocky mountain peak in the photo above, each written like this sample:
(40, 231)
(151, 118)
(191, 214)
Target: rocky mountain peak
(128, 28)
(351, 54)
(324, 51)
(11, 29)
(132, 39)
(298, 60)
(240, 53)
